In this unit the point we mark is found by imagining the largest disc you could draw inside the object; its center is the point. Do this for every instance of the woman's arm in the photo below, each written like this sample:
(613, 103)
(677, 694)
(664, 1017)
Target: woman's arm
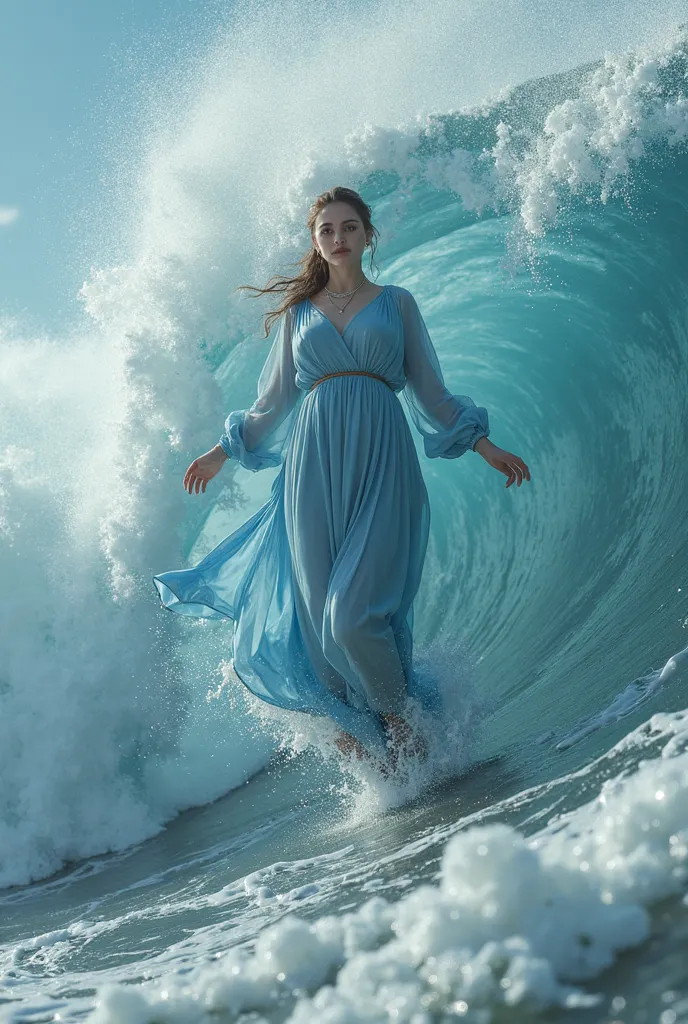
(256, 437)
(449, 424)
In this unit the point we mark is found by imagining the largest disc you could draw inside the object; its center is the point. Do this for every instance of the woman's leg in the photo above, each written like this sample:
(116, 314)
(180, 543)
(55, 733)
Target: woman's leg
(348, 745)
(403, 739)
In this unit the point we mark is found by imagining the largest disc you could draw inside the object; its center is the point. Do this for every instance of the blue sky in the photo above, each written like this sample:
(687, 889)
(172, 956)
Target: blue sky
(68, 71)
(71, 73)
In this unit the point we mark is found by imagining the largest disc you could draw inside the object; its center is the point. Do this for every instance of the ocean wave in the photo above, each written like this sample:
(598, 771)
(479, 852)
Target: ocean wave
(106, 732)
(513, 921)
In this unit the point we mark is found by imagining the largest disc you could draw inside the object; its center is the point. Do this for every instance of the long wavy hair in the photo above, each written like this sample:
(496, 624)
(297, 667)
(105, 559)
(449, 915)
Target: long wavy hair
(315, 273)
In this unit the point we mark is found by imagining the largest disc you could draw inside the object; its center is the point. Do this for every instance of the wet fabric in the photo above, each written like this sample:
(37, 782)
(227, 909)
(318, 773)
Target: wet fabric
(320, 582)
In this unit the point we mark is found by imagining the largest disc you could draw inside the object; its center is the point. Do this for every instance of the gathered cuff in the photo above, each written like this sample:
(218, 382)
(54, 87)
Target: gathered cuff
(225, 445)
(472, 424)
(232, 443)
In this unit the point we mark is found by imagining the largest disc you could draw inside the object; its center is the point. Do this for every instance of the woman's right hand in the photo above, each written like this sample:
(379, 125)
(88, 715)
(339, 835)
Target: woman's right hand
(203, 469)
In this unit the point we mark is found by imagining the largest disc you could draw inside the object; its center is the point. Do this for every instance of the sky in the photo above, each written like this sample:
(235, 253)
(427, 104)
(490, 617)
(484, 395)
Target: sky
(71, 75)
(68, 69)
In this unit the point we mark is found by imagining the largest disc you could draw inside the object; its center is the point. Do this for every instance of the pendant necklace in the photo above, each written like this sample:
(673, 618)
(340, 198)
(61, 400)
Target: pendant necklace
(342, 295)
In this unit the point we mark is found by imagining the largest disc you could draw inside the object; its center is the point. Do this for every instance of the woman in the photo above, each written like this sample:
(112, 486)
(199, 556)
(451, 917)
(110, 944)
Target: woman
(320, 581)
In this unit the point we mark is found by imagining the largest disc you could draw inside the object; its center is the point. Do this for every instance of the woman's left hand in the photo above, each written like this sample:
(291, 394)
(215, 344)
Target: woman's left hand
(203, 469)
(510, 465)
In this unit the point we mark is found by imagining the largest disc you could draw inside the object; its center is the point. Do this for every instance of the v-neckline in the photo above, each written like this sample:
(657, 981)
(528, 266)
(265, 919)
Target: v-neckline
(348, 324)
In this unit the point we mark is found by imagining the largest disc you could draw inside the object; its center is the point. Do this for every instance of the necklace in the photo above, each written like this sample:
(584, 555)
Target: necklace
(341, 295)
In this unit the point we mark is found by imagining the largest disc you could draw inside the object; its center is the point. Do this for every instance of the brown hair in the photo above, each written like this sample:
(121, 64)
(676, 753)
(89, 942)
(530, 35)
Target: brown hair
(315, 273)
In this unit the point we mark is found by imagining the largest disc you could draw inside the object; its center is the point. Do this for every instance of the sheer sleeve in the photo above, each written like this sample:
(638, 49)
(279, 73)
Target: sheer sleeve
(257, 437)
(449, 424)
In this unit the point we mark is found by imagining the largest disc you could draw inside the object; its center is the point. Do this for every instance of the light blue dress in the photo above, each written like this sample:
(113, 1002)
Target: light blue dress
(320, 581)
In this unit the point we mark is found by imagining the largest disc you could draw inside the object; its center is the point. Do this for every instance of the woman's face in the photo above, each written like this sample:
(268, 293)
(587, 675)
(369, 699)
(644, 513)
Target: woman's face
(338, 227)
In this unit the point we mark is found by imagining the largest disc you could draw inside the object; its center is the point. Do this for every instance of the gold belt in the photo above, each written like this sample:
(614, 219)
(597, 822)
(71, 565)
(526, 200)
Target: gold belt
(351, 373)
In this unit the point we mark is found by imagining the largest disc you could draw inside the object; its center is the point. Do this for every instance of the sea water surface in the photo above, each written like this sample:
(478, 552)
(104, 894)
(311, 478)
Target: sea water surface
(171, 850)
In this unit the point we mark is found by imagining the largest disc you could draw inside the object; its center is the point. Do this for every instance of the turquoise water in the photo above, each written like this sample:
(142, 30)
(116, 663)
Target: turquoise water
(159, 828)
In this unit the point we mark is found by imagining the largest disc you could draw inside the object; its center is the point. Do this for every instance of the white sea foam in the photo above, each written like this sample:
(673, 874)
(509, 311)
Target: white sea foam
(588, 144)
(593, 140)
(638, 692)
(105, 731)
(366, 787)
(513, 921)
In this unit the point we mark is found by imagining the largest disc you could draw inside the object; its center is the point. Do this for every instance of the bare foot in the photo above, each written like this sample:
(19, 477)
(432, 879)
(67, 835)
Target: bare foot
(403, 739)
(349, 745)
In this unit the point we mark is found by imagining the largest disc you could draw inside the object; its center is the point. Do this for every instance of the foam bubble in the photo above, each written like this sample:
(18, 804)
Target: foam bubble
(512, 921)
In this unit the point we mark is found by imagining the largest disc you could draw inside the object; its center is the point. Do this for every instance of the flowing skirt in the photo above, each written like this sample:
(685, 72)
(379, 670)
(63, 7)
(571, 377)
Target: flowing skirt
(320, 582)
